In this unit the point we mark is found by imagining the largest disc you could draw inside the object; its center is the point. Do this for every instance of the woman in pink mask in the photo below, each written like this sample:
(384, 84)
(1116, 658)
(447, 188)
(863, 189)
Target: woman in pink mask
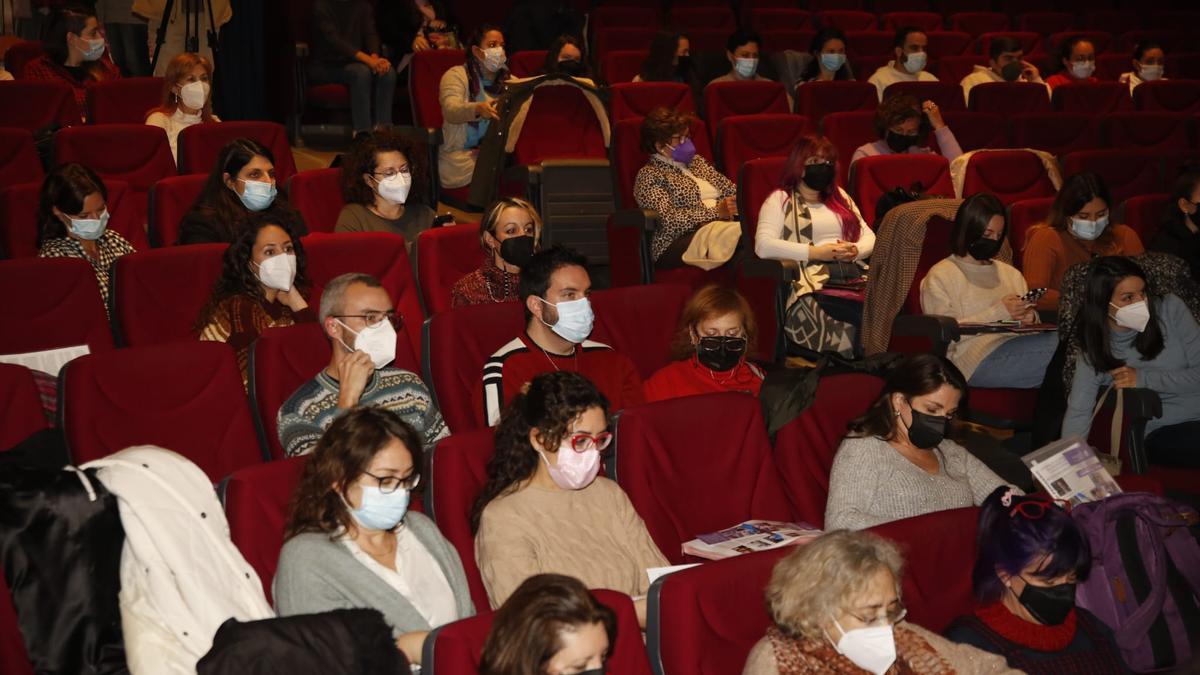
(544, 509)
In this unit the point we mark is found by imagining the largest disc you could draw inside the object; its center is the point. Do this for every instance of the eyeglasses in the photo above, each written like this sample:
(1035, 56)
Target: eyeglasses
(893, 615)
(1035, 508)
(581, 442)
(372, 318)
(389, 484)
(716, 343)
(389, 173)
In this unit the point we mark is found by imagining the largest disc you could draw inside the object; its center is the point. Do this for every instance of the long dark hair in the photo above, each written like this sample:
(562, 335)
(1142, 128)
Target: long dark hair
(67, 186)
(556, 47)
(915, 376)
(549, 405)
(1068, 46)
(1076, 192)
(972, 220)
(1093, 331)
(660, 64)
(219, 205)
(70, 19)
(363, 158)
(1185, 184)
(831, 196)
(813, 68)
(475, 69)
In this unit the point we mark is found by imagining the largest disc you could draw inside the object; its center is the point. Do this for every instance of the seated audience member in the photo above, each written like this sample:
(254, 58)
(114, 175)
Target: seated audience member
(1078, 231)
(544, 509)
(345, 50)
(896, 462)
(75, 53)
(554, 290)
(73, 222)
(1179, 229)
(911, 48)
(567, 55)
(826, 58)
(352, 542)
(835, 607)
(1130, 338)
(415, 26)
(1148, 62)
(262, 285)
(1006, 63)
(1031, 555)
(742, 49)
(360, 322)
(688, 194)
(670, 60)
(378, 177)
(716, 333)
(550, 625)
(241, 183)
(468, 97)
(903, 126)
(187, 97)
(1077, 59)
(972, 286)
(509, 234)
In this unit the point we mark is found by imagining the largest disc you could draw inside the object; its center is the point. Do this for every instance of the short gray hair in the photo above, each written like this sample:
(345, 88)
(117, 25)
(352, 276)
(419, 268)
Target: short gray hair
(335, 292)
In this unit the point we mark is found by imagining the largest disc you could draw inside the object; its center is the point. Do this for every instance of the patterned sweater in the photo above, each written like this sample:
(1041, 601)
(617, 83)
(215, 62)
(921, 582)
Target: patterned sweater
(665, 187)
(111, 246)
(239, 319)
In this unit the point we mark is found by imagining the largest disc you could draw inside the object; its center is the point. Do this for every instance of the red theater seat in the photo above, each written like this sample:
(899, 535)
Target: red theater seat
(943, 44)
(37, 104)
(776, 40)
(743, 138)
(628, 100)
(863, 43)
(847, 131)
(127, 100)
(200, 145)
(872, 177)
(1023, 215)
(947, 95)
(529, 63)
(21, 403)
(817, 99)
(1172, 40)
(776, 18)
(170, 200)
(1045, 22)
(1057, 133)
(150, 306)
(1111, 22)
(256, 502)
(713, 439)
(1184, 66)
(757, 179)
(457, 474)
(317, 194)
(975, 130)
(19, 161)
(424, 80)
(1031, 42)
(895, 6)
(125, 397)
(686, 19)
(1009, 98)
(445, 255)
(846, 19)
(725, 99)
(1143, 213)
(1127, 172)
(1100, 40)
(926, 21)
(19, 226)
(14, 659)
(21, 53)
(805, 447)
(640, 322)
(1093, 98)
(622, 65)
(65, 311)
(135, 153)
(1151, 130)
(1011, 175)
(1110, 66)
(627, 155)
(978, 23)
(608, 16)
(955, 68)
(1168, 95)
(563, 125)
(608, 40)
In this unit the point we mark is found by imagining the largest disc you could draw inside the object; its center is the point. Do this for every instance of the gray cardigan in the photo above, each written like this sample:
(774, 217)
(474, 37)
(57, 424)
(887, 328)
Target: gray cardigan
(317, 575)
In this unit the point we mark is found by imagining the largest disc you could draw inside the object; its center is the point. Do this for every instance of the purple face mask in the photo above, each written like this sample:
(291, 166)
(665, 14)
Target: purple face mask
(684, 152)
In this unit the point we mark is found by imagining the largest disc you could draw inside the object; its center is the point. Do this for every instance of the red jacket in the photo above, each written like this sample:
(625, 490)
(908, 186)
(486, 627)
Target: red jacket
(688, 377)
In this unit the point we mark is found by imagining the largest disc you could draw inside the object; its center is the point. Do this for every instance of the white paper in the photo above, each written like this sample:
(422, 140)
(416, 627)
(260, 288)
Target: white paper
(49, 361)
(1069, 470)
(655, 572)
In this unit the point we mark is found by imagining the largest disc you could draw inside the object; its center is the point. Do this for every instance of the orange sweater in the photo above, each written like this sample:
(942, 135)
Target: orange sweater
(1049, 253)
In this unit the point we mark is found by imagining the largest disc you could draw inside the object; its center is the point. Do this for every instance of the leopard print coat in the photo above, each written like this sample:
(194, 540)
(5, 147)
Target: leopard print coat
(663, 187)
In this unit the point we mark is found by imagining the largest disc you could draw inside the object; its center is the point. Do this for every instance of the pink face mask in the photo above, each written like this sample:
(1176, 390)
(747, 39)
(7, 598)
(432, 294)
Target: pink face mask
(575, 470)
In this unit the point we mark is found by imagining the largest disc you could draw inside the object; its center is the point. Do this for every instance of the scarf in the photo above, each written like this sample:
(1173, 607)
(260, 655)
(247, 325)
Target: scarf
(801, 656)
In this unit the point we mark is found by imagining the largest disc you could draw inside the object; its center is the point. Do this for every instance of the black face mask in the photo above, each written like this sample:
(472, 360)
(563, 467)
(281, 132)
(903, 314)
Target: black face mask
(984, 248)
(517, 250)
(571, 67)
(901, 142)
(1012, 71)
(818, 176)
(1050, 605)
(684, 66)
(926, 431)
(595, 671)
(720, 353)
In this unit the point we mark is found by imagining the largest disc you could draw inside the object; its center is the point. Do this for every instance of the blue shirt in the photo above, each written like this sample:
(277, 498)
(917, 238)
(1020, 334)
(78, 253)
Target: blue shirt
(477, 129)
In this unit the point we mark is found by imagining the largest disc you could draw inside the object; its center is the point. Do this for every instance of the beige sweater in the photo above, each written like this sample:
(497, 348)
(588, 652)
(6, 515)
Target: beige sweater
(456, 164)
(970, 291)
(592, 534)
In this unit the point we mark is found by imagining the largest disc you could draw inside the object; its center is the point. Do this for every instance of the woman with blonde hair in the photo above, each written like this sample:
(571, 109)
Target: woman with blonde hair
(186, 97)
(510, 233)
(835, 607)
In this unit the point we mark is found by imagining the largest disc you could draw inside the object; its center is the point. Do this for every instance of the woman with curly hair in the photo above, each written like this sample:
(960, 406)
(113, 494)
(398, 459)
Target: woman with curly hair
(378, 181)
(352, 542)
(262, 285)
(543, 509)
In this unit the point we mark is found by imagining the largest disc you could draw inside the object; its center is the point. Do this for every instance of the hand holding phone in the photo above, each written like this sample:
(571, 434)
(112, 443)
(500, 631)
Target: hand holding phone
(1034, 294)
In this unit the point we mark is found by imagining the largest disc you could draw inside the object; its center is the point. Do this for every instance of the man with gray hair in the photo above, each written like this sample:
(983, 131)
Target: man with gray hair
(360, 322)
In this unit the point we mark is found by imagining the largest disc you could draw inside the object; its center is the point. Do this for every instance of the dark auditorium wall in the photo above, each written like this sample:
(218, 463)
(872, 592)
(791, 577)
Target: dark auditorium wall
(254, 43)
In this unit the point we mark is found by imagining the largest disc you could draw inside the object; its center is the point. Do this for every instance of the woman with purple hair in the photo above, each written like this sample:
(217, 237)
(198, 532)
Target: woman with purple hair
(1031, 555)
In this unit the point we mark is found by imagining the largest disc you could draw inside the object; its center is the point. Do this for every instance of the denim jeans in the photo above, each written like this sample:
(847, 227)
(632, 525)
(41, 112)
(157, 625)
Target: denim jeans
(1019, 363)
(362, 82)
(1175, 445)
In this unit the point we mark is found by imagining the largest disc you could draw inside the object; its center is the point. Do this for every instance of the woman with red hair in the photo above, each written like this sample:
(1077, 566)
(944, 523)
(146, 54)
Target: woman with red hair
(813, 222)
(186, 97)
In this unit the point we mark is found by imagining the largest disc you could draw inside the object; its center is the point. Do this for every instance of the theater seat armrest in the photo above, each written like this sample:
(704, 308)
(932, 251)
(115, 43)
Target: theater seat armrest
(942, 330)
(525, 174)
(780, 270)
(643, 220)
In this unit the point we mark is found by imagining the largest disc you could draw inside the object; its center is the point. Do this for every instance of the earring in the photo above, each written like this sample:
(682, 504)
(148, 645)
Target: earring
(897, 413)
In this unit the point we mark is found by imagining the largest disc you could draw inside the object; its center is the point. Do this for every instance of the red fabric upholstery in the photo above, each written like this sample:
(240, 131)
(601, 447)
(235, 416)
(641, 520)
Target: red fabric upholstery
(200, 145)
(715, 440)
(18, 217)
(926, 21)
(743, 138)
(805, 447)
(256, 506)
(846, 19)
(21, 403)
(872, 177)
(625, 258)
(445, 255)
(978, 23)
(150, 306)
(383, 256)
(21, 53)
(455, 649)
(135, 153)
(170, 200)
(1144, 212)
(458, 472)
(1149, 129)
(608, 40)
(1172, 20)
(1171, 39)
(939, 551)
(709, 39)
(869, 63)
(65, 310)
(955, 68)
(14, 660)
(778, 39)
(458, 343)
(1023, 215)
(1184, 66)
(1030, 41)
(774, 18)
(620, 66)
(687, 19)
(1011, 175)
(1045, 22)
(947, 95)
(640, 322)
(817, 99)
(1111, 22)
(1169, 95)
(1094, 98)
(330, 96)
(893, 6)
(758, 178)
(636, 99)
(975, 130)
(37, 104)
(1127, 172)
(1101, 40)
(1057, 133)
(623, 17)
(317, 194)
(847, 131)
(122, 398)
(560, 124)
(127, 100)
(724, 99)
(425, 76)
(1110, 66)
(1009, 98)
(947, 43)
(705, 620)
(19, 161)
(628, 157)
(817, 5)
(861, 43)
(527, 63)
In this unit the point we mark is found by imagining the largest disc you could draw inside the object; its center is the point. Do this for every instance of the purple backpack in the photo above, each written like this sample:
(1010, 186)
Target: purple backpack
(1145, 578)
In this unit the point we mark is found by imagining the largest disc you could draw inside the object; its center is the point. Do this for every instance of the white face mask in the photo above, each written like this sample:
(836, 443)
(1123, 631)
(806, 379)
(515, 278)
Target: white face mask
(1134, 315)
(90, 229)
(494, 59)
(378, 341)
(1082, 70)
(915, 62)
(872, 649)
(194, 95)
(1150, 73)
(575, 319)
(395, 188)
(278, 271)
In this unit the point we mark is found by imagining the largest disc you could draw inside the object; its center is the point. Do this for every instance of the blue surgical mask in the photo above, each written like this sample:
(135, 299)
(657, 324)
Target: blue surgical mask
(746, 68)
(575, 319)
(915, 62)
(381, 510)
(833, 62)
(94, 49)
(90, 229)
(1088, 229)
(257, 195)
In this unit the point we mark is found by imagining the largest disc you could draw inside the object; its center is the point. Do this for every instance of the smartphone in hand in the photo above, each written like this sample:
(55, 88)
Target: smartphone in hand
(1034, 294)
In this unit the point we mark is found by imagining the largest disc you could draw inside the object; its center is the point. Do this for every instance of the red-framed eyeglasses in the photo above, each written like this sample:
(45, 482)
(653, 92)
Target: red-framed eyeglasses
(582, 442)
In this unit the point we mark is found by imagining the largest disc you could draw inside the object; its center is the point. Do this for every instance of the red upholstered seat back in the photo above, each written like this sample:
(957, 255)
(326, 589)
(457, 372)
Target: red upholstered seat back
(669, 456)
(975, 130)
(64, 310)
(14, 659)
(200, 145)
(636, 99)
(955, 68)
(458, 472)
(1022, 216)
(36, 104)
(724, 99)
(872, 177)
(21, 403)
(947, 95)
(1093, 98)
(1149, 129)
(1030, 42)
(1057, 133)
(805, 447)
(425, 76)
(1170, 95)
(618, 16)
(170, 200)
(317, 194)
(622, 65)
(1144, 213)
(186, 397)
(758, 179)
(18, 217)
(1044, 22)
(135, 153)
(127, 100)
(640, 322)
(944, 44)
(846, 19)
(560, 124)
(1100, 39)
(1127, 172)
(1009, 98)
(817, 99)
(445, 255)
(527, 63)
(1011, 175)
(869, 43)
(150, 306)
(978, 23)
(19, 161)
(939, 552)
(779, 18)
(20, 54)
(627, 155)
(256, 505)
(934, 249)
(926, 21)
(691, 18)
(847, 131)
(620, 38)
(743, 138)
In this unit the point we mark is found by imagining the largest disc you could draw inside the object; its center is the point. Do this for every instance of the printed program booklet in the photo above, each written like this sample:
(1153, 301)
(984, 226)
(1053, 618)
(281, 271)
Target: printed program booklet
(748, 537)
(1069, 469)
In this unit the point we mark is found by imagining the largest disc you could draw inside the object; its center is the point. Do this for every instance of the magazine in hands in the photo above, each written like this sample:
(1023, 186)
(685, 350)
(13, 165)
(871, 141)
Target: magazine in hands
(748, 537)
(1069, 469)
